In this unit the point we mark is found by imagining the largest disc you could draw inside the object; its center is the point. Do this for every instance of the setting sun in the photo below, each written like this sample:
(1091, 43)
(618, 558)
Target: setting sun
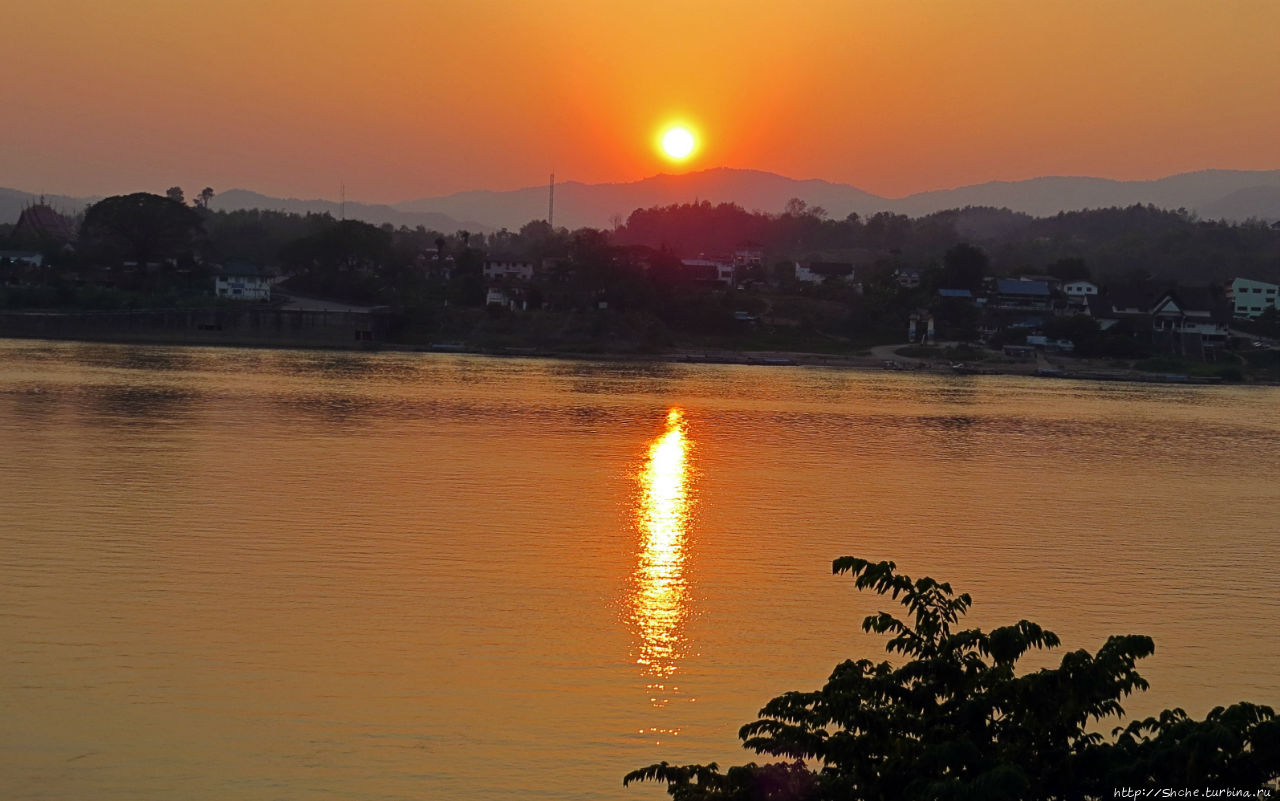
(678, 143)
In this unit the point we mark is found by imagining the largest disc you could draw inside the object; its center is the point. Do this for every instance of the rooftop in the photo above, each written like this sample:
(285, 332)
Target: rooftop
(1012, 286)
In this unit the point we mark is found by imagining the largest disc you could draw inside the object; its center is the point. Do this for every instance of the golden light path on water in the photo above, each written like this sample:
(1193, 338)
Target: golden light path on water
(660, 600)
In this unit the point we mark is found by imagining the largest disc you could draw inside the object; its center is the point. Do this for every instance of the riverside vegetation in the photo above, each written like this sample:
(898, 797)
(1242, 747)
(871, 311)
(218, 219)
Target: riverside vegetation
(953, 720)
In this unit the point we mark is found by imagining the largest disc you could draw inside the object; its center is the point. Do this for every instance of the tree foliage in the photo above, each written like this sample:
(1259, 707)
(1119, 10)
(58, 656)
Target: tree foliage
(142, 226)
(1099, 244)
(953, 720)
(963, 267)
(340, 259)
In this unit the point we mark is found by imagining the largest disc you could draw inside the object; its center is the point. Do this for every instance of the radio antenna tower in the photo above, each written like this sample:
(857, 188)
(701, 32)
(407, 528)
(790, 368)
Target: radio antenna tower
(551, 202)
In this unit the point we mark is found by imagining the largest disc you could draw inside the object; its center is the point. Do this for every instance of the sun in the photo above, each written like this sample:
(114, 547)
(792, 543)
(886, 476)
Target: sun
(678, 143)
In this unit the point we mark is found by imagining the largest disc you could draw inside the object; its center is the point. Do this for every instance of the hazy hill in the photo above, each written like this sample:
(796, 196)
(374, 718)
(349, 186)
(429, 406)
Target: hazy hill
(1233, 195)
(1201, 192)
(578, 204)
(378, 214)
(1230, 194)
(1262, 202)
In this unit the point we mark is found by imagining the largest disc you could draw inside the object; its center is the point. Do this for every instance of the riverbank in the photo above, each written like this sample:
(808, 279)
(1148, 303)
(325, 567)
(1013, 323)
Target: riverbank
(368, 330)
(878, 358)
(255, 326)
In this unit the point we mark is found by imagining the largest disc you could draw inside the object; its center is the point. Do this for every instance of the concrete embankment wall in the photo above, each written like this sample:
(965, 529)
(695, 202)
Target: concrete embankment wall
(280, 327)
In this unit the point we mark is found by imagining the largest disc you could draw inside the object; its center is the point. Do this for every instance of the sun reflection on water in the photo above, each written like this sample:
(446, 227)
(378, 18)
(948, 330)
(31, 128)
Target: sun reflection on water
(660, 600)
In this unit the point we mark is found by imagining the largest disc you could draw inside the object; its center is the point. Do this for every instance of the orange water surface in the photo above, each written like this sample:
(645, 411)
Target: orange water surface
(246, 574)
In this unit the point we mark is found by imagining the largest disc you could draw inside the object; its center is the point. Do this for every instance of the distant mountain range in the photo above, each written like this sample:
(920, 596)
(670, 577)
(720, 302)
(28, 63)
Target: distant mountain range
(1213, 194)
(376, 213)
(1234, 195)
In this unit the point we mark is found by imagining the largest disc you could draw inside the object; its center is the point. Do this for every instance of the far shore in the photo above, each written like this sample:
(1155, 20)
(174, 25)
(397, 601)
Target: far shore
(879, 358)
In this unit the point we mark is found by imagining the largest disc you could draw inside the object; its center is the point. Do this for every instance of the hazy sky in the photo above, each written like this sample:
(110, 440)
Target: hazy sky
(399, 99)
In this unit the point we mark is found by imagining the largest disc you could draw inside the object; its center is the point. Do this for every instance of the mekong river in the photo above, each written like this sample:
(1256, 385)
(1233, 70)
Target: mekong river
(248, 574)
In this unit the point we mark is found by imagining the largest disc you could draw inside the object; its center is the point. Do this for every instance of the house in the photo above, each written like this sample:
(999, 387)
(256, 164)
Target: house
(816, 272)
(1080, 289)
(1078, 294)
(1129, 304)
(1251, 298)
(1012, 294)
(242, 280)
(1052, 281)
(508, 269)
(956, 294)
(1190, 321)
(711, 271)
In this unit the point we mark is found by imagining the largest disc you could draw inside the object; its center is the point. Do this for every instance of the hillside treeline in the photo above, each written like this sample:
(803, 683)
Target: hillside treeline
(626, 285)
(1113, 244)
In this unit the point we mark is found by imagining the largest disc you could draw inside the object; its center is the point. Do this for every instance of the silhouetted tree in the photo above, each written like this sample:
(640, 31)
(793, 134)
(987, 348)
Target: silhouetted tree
(954, 720)
(886, 231)
(147, 227)
(1069, 269)
(345, 259)
(1080, 329)
(963, 267)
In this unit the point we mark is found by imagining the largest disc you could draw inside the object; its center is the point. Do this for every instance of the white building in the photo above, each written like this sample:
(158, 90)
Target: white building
(243, 281)
(1190, 311)
(1080, 289)
(1250, 298)
(709, 270)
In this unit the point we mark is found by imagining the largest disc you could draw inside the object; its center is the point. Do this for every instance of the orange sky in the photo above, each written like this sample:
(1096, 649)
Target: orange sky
(409, 98)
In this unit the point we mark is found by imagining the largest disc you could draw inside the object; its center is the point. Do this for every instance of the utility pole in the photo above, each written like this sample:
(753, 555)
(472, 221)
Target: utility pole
(551, 202)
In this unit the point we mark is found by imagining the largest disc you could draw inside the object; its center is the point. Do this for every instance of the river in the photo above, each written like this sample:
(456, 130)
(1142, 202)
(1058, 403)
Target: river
(245, 574)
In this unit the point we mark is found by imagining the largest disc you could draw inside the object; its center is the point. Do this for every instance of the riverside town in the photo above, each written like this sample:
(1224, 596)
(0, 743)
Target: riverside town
(1135, 293)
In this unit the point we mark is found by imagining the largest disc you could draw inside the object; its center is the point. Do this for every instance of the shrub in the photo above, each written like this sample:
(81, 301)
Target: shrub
(955, 721)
